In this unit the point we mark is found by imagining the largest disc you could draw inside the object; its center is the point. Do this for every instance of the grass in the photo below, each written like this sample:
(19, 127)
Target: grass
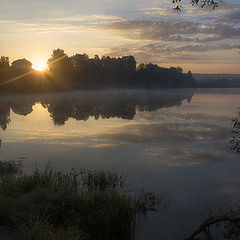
(77, 205)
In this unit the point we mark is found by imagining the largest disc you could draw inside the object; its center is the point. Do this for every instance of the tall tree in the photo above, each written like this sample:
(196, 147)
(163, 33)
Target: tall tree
(4, 62)
(59, 61)
(22, 64)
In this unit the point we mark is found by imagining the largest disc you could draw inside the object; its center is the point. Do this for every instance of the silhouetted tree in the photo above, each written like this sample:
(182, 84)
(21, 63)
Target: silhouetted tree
(4, 62)
(22, 64)
(105, 72)
(82, 72)
(59, 62)
(79, 61)
(4, 67)
(152, 76)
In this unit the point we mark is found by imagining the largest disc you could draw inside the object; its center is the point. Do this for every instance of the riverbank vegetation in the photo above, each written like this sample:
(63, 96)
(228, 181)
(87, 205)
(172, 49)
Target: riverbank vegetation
(49, 204)
(84, 73)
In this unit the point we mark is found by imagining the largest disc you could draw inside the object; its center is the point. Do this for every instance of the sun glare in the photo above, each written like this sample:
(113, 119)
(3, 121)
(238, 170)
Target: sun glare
(39, 66)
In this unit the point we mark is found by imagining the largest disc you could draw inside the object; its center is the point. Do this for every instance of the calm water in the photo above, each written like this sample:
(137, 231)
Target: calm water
(175, 143)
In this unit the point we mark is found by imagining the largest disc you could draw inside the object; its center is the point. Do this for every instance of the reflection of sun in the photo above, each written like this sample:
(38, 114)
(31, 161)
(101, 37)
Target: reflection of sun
(39, 66)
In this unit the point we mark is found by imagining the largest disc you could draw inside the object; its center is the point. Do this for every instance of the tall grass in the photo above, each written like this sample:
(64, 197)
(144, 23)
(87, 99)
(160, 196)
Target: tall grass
(10, 167)
(75, 205)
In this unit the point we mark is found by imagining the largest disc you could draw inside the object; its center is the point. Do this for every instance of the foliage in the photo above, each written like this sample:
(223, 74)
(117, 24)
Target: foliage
(105, 72)
(4, 62)
(232, 230)
(170, 77)
(202, 3)
(10, 168)
(22, 64)
(59, 62)
(38, 230)
(52, 204)
(235, 140)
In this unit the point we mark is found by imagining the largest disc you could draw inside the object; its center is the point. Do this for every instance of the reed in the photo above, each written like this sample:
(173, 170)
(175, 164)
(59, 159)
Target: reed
(82, 204)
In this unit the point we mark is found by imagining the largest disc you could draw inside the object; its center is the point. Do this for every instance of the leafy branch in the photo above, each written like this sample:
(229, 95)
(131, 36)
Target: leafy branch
(202, 3)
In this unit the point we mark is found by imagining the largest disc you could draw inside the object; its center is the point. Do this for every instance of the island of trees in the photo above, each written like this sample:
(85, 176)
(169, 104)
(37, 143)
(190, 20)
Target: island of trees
(80, 72)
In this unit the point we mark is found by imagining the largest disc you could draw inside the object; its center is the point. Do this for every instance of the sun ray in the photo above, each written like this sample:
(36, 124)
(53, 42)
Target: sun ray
(15, 78)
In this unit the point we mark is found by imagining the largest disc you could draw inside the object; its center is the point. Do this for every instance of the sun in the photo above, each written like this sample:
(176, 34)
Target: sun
(40, 66)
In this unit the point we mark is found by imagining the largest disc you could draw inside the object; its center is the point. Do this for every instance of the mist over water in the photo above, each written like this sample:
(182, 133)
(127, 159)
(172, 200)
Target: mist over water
(172, 142)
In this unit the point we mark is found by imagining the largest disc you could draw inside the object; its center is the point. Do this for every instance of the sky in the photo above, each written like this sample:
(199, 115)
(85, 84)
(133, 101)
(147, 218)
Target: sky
(202, 40)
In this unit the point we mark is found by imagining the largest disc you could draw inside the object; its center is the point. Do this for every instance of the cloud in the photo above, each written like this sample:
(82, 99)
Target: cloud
(154, 30)
(183, 31)
(231, 17)
(160, 52)
(150, 30)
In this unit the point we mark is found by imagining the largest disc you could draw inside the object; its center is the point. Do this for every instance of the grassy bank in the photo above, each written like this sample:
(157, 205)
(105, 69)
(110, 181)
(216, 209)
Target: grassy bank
(77, 205)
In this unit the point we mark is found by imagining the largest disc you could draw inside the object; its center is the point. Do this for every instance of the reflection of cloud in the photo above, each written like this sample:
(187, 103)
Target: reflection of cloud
(203, 155)
(188, 156)
(206, 119)
(176, 136)
(192, 141)
(173, 133)
(232, 190)
(143, 133)
(172, 144)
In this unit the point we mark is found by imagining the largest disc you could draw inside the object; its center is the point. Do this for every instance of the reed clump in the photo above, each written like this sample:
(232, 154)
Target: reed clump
(77, 205)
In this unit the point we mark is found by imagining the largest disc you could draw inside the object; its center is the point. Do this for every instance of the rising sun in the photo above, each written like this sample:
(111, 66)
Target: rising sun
(40, 66)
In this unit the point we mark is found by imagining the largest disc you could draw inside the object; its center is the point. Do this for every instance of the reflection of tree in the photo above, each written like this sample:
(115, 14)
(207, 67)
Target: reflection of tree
(4, 116)
(20, 106)
(82, 106)
(61, 109)
(110, 106)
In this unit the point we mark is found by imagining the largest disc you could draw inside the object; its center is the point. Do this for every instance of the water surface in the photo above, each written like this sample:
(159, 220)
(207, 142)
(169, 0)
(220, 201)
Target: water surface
(172, 142)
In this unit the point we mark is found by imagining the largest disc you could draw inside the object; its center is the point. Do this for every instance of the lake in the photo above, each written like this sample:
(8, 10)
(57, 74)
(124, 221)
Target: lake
(175, 143)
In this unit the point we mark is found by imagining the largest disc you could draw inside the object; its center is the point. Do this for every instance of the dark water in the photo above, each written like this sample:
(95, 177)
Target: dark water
(172, 142)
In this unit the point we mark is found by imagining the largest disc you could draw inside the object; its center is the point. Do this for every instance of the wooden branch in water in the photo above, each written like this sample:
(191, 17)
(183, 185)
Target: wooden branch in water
(233, 216)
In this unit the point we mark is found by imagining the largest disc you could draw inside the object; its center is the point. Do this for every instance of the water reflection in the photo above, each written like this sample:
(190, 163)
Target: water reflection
(82, 106)
(5, 116)
(178, 149)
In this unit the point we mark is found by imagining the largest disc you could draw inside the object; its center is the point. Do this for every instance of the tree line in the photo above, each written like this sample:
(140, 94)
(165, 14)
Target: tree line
(84, 73)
